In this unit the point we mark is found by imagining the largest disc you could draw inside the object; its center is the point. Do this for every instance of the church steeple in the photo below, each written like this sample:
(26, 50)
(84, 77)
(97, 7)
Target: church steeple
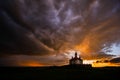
(75, 54)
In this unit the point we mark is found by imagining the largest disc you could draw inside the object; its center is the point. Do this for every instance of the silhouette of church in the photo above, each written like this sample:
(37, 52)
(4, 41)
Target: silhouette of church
(76, 60)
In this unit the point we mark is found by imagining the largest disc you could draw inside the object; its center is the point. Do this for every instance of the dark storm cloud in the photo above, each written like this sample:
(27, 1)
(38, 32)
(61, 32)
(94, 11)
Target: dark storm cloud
(115, 60)
(16, 36)
(54, 26)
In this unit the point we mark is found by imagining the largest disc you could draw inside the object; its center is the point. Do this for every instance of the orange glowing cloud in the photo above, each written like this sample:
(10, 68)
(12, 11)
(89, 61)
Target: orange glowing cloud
(92, 48)
(84, 48)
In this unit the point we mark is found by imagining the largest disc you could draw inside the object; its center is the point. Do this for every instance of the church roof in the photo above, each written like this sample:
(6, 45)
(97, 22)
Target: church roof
(76, 59)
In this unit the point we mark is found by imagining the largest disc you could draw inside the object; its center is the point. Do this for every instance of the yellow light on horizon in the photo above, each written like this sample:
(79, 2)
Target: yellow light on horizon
(105, 65)
(101, 64)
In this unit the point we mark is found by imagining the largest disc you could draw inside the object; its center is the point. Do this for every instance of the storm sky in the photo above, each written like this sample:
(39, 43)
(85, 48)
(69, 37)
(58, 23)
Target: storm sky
(48, 31)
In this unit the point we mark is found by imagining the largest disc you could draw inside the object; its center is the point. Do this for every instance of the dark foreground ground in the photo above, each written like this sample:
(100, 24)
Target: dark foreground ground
(59, 73)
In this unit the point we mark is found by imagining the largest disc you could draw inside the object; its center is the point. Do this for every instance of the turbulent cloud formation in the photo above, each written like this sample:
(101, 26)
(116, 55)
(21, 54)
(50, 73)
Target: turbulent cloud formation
(42, 27)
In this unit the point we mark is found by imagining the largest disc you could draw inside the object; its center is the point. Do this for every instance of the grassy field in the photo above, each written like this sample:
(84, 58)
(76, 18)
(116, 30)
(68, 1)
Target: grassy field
(59, 73)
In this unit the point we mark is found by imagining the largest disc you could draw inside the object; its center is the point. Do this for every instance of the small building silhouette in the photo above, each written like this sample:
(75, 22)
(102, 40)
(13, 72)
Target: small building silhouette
(76, 60)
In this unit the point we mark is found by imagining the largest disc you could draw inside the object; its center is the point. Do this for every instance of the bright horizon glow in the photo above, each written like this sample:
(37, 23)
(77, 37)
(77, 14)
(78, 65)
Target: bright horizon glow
(88, 61)
(105, 65)
(31, 64)
(94, 64)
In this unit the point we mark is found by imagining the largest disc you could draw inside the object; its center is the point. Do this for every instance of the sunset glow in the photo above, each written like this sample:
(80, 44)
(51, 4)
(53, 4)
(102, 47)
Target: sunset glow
(93, 62)
(105, 65)
(31, 64)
